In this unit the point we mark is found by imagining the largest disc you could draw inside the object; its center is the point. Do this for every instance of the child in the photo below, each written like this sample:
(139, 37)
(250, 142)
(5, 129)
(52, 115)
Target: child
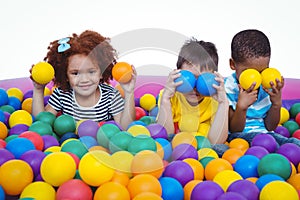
(83, 67)
(252, 111)
(193, 112)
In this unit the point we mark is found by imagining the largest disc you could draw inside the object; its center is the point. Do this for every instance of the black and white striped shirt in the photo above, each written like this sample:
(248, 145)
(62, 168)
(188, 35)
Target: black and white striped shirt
(109, 104)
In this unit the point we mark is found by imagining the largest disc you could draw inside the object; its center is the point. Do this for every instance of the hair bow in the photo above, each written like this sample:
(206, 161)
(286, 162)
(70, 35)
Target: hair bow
(63, 45)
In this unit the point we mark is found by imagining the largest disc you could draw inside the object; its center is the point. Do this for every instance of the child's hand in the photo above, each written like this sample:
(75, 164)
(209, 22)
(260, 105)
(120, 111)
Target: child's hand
(35, 84)
(275, 92)
(220, 96)
(171, 85)
(129, 86)
(247, 97)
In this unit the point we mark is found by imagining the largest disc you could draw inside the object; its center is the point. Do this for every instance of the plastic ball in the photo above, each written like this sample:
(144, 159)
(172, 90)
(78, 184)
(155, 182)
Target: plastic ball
(67, 136)
(184, 137)
(206, 190)
(105, 132)
(171, 189)
(183, 151)
(179, 170)
(239, 143)
(57, 168)
(121, 178)
(147, 162)
(267, 178)
(226, 177)
(189, 187)
(20, 117)
(147, 101)
(284, 115)
(294, 110)
(270, 75)
(46, 117)
(202, 142)
(291, 151)
(157, 131)
(76, 147)
(294, 181)
(297, 119)
(167, 147)
(42, 72)
(113, 191)
(139, 113)
(147, 120)
(274, 163)
(3, 97)
(15, 92)
(282, 131)
(15, 175)
(35, 138)
(49, 141)
(147, 196)
(231, 195)
(34, 158)
(205, 84)
(88, 141)
(278, 190)
(2, 193)
(245, 188)
(232, 155)
(144, 183)
(141, 142)
(215, 166)
(74, 189)
(5, 156)
(188, 81)
(7, 108)
(122, 161)
(122, 72)
(265, 140)
(88, 128)
(40, 127)
(136, 130)
(197, 168)
(246, 166)
(3, 130)
(292, 126)
(120, 141)
(38, 190)
(15, 103)
(207, 152)
(19, 146)
(257, 151)
(296, 134)
(27, 105)
(63, 124)
(154, 111)
(248, 77)
(96, 168)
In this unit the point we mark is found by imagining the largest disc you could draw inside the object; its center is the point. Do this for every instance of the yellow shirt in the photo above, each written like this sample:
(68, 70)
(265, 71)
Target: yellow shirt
(193, 118)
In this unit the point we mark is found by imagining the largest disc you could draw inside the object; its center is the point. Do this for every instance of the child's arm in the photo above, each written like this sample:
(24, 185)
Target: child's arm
(219, 129)
(164, 116)
(273, 116)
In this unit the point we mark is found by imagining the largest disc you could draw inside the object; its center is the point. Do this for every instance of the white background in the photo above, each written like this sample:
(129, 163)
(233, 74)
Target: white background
(27, 28)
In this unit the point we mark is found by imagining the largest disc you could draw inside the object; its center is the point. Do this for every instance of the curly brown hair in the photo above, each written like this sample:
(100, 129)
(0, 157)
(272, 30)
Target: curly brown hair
(88, 43)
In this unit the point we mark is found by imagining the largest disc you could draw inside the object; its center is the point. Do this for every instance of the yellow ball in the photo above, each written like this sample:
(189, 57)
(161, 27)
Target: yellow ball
(284, 115)
(27, 105)
(268, 75)
(15, 92)
(278, 190)
(226, 177)
(122, 161)
(248, 77)
(57, 168)
(39, 191)
(42, 72)
(147, 101)
(20, 117)
(136, 130)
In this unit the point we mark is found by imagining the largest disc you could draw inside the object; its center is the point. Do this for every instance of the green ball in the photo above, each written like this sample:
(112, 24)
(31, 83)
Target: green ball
(76, 147)
(147, 119)
(47, 117)
(202, 142)
(9, 138)
(294, 110)
(42, 128)
(105, 132)
(119, 141)
(64, 124)
(7, 108)
(292, 126)
(204, 161)
(141, 142)
(274, 163)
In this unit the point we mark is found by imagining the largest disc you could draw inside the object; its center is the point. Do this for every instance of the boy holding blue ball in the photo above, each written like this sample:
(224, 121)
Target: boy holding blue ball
(191, 111)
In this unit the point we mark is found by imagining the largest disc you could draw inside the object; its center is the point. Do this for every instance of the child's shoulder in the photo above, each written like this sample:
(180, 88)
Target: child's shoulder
(107, 88)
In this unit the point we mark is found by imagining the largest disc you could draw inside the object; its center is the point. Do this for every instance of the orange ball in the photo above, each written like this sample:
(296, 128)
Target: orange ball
(188, 188)
(239, 143)
(120, 177)
(147, 196)
(232, 155)
(122, 72)
(248, 77)
(197, 167)
(295, 181)
(111, 190)
(268, 75)
(215, 166)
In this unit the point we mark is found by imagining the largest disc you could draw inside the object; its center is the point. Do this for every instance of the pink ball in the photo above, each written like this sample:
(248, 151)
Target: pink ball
(74, 189)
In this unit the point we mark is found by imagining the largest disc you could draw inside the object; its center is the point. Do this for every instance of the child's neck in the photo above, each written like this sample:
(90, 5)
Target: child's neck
(88, 101)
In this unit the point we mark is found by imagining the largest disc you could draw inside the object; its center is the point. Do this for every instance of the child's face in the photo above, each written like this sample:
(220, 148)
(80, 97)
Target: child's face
(83, 75)
(258, 64)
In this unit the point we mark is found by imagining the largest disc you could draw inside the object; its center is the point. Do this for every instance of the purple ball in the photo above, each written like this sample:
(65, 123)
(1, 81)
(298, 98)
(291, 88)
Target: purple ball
(34, 158)
(257, 151)
(157, 131)
(291, 151)
(28, 94)
(6, 116)
(231, 196)
(206, 190)
(282, 131)
(18, 129)
(183, 151)
(137, 101)
(265, 140)
(179, 170)
(5, 155)
(49, 141)
(245, 188)
(46, 99)
(88, 128)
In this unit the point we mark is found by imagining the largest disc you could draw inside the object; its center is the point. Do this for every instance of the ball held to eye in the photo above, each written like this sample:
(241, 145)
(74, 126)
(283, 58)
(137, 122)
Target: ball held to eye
(268, 75)
(122, 72)
(248, 77)
(42, 72)
(188, 81)
(205, 83)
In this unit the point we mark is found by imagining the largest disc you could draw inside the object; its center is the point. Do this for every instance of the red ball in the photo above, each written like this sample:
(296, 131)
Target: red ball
(74, 189)
(35, 138)
(296, 134)
(139, 113)
(297, 118)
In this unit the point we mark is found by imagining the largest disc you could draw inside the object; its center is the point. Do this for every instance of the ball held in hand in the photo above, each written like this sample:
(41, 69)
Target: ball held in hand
(122, 72)
(188, 81)
(248, 77)
(42, 72)
(268, 75)
(205, 83)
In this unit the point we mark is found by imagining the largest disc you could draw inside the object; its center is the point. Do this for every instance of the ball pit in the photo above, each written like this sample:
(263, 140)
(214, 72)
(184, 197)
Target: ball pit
(107, 155)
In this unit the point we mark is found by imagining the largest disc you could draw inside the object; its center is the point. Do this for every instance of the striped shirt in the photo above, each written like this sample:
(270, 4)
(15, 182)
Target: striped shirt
(256, 112)
(109, 104)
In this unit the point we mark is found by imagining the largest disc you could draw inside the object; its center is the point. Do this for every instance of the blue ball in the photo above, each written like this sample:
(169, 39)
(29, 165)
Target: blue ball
(18, 146)
(246, 166)
(267, 178)
(2, 193)
(14, 102)
(171, 189)
(188, 81)
(205, 83)
(3, 97)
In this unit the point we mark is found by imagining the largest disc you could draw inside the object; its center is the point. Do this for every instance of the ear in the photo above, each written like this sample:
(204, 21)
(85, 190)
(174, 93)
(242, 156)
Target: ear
(232, 64)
